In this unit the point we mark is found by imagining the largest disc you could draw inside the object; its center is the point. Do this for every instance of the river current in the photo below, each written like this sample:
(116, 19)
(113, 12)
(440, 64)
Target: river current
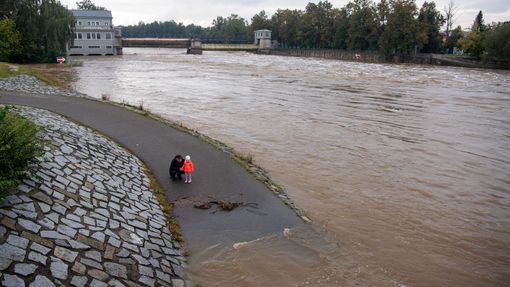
(403, 169)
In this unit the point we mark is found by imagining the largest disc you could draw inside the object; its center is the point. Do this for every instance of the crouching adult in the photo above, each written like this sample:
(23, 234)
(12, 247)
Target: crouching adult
(176, 167)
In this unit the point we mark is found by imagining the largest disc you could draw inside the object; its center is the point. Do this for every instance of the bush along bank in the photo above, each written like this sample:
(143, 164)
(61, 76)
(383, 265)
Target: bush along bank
(19, 148)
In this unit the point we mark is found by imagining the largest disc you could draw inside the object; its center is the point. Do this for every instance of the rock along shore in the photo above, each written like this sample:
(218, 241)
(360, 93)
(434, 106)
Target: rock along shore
(86, 217)
(30, 84)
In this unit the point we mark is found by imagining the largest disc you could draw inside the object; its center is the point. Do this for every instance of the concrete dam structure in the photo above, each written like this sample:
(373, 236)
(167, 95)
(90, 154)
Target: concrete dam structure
(194, 46)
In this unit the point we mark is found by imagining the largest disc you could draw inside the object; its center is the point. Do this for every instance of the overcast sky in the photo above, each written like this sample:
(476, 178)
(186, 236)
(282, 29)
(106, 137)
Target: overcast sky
(202, 12)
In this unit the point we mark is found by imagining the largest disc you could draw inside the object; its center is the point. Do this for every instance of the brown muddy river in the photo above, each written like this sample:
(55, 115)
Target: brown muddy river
(404, 169)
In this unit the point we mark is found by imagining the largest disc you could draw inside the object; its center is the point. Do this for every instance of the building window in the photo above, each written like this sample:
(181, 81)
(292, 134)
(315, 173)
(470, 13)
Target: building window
(109, 47)
(88, 23)
(76, 35)
(98, 36)
(108, 35)
(88, 35)
(97, 23)
(79, 36)
(94, 47)
(93, 35)
(79, 23)
(93, 23)
(75, 47)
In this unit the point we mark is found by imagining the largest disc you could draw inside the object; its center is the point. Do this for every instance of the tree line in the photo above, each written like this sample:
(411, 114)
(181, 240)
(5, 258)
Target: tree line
(223, 29)
(39, 30)
(389, 26)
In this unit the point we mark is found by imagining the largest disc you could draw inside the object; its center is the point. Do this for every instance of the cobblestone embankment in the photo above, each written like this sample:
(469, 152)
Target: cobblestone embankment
(30, 84)
(87, 217)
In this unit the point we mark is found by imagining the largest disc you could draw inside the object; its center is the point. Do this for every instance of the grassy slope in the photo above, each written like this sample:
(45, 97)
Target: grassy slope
(51, 74)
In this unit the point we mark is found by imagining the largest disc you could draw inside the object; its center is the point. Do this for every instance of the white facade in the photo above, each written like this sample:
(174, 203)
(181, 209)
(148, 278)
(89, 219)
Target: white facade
(93, 34)
(263, 38)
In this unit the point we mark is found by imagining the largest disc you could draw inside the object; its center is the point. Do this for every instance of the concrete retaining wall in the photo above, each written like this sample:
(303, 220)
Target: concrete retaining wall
(370, 57)
(375, 57)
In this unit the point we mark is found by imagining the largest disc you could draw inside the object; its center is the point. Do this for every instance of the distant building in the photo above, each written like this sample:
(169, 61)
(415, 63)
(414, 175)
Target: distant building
(263, 38)
(94, 34)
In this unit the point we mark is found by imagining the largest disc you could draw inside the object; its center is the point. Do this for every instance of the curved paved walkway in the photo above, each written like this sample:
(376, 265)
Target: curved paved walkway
(217, 177)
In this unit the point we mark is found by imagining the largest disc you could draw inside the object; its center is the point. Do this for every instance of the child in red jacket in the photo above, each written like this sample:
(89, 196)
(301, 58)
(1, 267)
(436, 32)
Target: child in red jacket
(188, 168)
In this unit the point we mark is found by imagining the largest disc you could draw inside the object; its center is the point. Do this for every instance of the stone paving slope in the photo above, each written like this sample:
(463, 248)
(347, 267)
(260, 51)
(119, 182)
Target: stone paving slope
(30, 84)
(217, 176)
(87, 217)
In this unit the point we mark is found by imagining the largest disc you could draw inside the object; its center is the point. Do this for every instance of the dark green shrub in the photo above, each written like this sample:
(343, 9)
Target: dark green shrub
(19, 147)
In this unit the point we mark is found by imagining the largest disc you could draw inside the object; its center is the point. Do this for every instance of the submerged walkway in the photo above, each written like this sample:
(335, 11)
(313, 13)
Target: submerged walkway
(217, 176)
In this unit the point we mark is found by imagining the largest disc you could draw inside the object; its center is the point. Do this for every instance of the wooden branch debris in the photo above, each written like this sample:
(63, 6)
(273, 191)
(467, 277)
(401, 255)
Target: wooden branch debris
(223, 205)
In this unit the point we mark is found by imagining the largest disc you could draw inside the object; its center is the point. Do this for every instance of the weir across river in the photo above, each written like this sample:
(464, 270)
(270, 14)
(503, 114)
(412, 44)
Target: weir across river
(194, 46)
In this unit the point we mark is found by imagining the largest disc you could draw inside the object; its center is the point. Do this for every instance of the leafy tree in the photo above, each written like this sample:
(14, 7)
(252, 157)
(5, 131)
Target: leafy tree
(316, 27)
(479, 23)
(284, 24)
(454, 38)
(55, 23)
(219, 23)
(88, 5)
(431, 21)
(45, 27)
(342, 29)
(401, 34)
(236, 28)
(10, 40)
(308, 27)
(473, 42)
(363, 31)
(327, 23)
(497, 42)
(232, 28)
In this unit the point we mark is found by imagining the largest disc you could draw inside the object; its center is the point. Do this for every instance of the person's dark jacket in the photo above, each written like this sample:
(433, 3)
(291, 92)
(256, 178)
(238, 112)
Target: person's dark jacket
(175, 166)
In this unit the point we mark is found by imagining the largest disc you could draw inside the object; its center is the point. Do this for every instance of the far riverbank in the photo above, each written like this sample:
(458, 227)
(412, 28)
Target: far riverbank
(375, 57)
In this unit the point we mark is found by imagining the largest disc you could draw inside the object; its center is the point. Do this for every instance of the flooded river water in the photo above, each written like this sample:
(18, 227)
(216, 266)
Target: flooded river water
(404, 169)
